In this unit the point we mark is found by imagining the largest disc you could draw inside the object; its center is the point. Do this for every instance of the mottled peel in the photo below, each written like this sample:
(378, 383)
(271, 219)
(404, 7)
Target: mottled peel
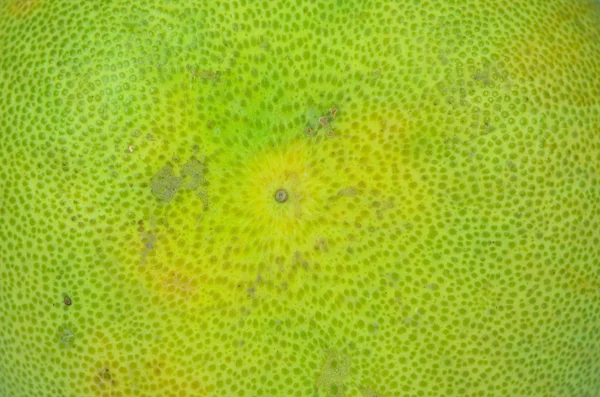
(299, 198)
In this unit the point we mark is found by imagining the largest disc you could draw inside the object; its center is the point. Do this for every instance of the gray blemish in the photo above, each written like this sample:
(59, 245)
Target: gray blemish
(335, 373)
(347, 192)
(148, 246)
(66, 336)
(321, 245)
(369, 392)
(203, 195)
(298, 261)
(165, 184)
(382, 207)
(192, 174)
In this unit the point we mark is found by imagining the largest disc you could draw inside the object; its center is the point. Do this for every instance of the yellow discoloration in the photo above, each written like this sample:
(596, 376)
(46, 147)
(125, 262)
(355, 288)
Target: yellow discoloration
(23, 8)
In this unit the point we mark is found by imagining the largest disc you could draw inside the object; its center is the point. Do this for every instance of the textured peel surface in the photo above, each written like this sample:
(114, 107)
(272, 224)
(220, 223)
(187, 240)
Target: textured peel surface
(439, 233)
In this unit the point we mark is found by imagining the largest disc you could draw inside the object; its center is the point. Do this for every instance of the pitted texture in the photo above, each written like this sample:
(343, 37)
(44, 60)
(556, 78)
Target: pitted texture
(440, 232)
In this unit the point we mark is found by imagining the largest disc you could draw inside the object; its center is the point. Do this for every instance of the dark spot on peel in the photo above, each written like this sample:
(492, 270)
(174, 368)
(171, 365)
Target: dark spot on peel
(281, 196)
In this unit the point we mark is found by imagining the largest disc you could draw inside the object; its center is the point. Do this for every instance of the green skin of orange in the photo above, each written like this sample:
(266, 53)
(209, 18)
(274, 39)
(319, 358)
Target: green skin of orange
(439, 232)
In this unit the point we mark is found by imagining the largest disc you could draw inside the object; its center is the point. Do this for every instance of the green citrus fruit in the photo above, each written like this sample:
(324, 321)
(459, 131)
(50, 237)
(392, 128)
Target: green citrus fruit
(299, 198)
